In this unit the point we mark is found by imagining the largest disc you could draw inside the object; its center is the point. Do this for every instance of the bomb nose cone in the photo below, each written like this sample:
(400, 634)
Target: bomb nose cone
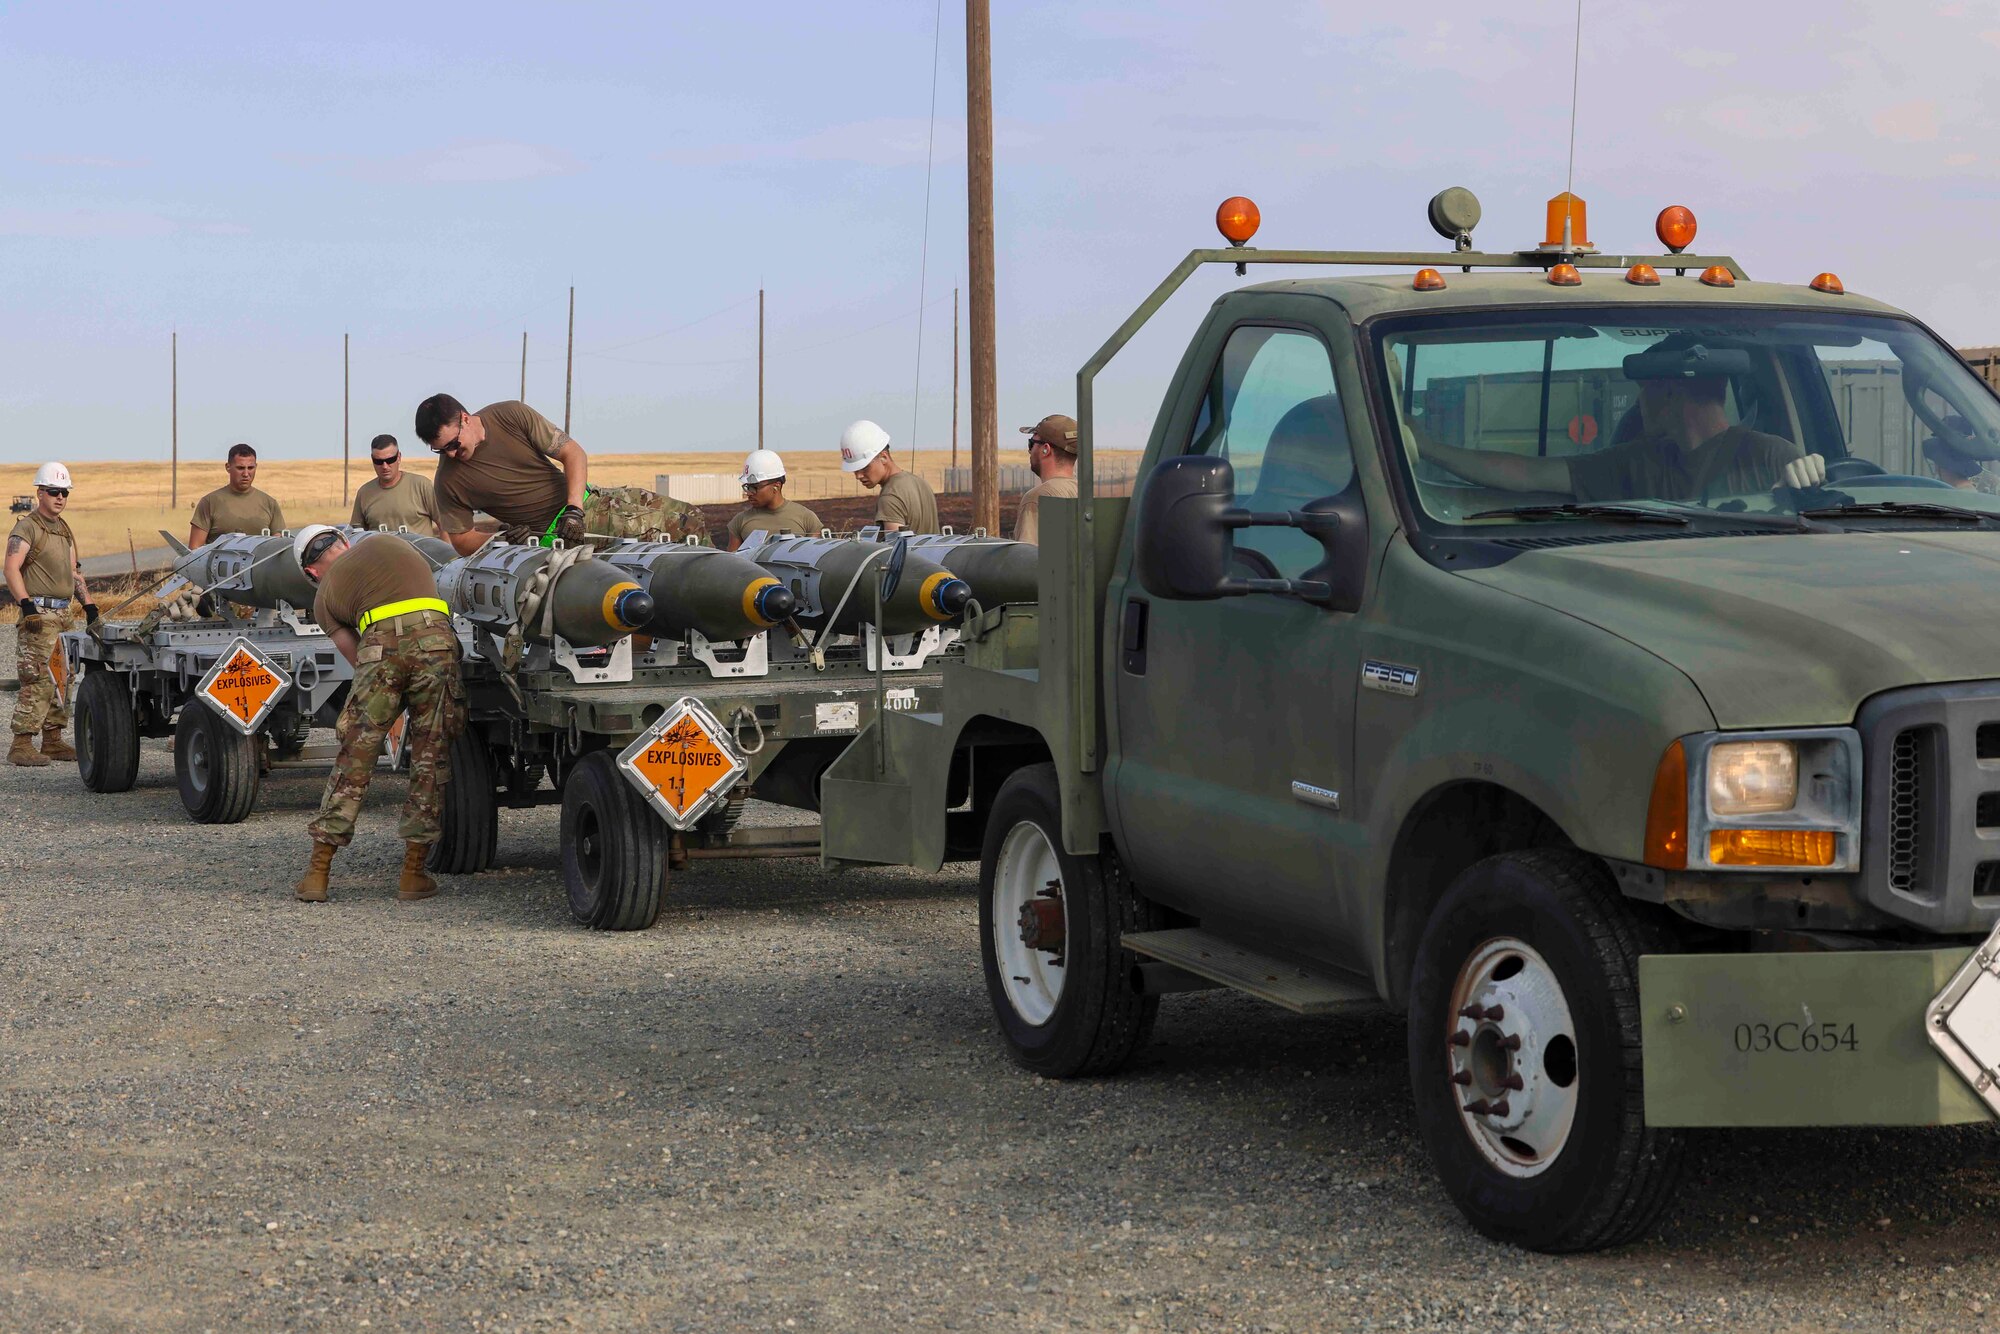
(633, 608)
(948, 598)
(776, 603)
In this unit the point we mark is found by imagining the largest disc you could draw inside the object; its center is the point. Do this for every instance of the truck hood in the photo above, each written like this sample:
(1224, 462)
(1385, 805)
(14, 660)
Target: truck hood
(1789, 629)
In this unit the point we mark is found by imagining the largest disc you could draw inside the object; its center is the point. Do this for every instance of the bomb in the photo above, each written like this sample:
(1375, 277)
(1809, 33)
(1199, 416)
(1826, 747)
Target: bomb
(999, 570)
(254, 569)
(833, 579)
(590, 602)
(720, 595)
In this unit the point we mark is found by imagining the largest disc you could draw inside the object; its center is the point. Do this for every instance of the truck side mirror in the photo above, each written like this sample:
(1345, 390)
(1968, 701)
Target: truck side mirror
(1186, 543)
(1188, 519)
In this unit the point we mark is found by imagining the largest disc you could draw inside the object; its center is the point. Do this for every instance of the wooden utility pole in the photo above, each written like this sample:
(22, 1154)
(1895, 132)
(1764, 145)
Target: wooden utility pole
(569, 359)
(524, 365)
(954, 377)
(174, 447)
(979, 224)
(345, 385)
(760, 368)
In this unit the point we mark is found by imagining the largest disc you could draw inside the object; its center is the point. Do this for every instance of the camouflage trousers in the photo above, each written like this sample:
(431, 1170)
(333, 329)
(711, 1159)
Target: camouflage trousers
(40, 703)
(409, 664)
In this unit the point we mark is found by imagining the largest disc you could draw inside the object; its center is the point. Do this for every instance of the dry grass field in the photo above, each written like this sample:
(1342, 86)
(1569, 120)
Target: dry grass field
(116, 504)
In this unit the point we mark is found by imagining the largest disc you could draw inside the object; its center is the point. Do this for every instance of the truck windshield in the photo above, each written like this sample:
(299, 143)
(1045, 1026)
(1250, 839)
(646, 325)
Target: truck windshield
(1515, 417)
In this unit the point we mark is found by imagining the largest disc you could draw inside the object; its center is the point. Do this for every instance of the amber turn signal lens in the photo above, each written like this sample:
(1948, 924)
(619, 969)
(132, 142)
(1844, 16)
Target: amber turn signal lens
(1828, 283)
(1565, 275)
(1675, 227)
(1667, 812)
(1771, 847)
(1717, 276)
(1237, 219)
(1428, 280)
(1642, 275)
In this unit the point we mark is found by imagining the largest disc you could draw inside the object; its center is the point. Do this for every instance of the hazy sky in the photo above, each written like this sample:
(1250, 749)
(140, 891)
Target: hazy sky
(430, 178)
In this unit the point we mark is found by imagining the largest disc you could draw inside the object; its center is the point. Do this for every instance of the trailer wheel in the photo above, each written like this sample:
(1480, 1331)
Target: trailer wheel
(107, 733)
(1049, 927)
(470, 830)
(614, 849)
(1524, 1054)
(216, 766)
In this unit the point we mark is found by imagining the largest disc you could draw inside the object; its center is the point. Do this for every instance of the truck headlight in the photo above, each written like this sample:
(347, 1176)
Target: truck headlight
(1729, 801)
(1752, 777)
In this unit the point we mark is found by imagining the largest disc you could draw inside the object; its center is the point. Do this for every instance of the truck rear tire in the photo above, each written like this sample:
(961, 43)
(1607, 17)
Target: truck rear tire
(107, 733)
(470, 831)
(614, 849)
(1525, 1057)
(216, 765)
(1049, 927)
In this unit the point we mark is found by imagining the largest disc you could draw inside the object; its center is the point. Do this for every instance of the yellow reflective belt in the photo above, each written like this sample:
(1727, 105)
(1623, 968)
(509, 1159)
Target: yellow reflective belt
(403, 608)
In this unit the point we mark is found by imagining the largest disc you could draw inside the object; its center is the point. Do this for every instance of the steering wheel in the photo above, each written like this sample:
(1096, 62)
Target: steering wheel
(1843, 470)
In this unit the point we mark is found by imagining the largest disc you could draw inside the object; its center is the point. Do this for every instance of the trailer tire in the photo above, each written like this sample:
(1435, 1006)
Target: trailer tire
(107, 733)
(614, 849)
(1079, 1016)
(469, 833)
(1536, 1119)
(216, 766)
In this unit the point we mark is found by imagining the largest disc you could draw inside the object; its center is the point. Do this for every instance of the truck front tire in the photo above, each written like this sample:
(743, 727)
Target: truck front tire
(470, 830)
(1525, 1058)
(1049, 929)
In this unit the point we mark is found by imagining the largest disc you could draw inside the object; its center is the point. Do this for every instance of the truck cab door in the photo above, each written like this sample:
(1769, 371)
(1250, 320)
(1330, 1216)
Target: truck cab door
(1233, 718)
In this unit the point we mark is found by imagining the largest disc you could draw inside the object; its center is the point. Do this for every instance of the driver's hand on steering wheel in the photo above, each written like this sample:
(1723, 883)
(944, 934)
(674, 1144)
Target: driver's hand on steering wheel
(1805, 473)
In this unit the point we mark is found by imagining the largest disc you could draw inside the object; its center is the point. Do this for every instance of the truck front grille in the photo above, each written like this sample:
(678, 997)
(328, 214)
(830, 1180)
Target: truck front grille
(1909, 763)
(1930, 838)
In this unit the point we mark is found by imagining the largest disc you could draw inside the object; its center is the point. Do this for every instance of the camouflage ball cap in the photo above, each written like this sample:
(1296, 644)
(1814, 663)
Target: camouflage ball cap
(1054, 429)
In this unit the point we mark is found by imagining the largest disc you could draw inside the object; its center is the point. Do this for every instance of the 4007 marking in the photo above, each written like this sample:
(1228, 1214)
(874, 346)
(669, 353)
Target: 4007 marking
(1812, 1039)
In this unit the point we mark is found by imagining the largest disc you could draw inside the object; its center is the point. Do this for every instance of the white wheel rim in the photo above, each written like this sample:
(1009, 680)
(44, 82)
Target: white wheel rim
(1511, 1057)
(1026, 867)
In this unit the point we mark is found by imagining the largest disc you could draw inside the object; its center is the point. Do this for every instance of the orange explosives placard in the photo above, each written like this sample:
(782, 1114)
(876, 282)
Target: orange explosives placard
(683, 763)
(243, 686)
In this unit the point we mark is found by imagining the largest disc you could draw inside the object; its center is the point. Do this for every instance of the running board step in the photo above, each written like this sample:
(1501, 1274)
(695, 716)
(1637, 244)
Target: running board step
(1296, 987)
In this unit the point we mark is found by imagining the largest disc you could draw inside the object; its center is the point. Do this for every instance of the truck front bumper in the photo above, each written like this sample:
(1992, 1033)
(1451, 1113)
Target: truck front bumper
(1841, 1038)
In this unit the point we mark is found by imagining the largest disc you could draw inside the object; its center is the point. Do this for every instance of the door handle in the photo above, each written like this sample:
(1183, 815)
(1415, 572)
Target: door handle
(1132, 636)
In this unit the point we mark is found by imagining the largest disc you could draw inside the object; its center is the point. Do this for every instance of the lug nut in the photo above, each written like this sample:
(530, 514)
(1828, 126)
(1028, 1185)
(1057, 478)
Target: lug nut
(1459, 1038)
(1512, 1042)
(1478, 1107)
(1461, 1077)
(1473, 1012)
(1496, 1013)
(1499, 1108)
(1513, 1082)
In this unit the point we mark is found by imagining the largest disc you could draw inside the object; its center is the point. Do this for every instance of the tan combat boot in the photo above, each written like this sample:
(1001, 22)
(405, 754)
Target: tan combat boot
(416, 882)
(312, 885)
(54, 746)
(24, 753)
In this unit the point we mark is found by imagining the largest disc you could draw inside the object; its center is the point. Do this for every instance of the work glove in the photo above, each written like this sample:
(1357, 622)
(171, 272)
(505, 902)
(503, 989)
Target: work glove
(569, 525)
(90, 613)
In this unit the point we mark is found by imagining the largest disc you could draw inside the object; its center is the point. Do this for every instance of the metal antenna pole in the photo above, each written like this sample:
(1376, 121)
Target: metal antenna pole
(760, 368)
(174, 447)
(524, 365)
(979, 201)
(569, 359)
(345, 386)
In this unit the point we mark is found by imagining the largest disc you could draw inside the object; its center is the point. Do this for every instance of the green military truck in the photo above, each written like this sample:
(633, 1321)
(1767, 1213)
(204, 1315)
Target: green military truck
(1555, 654)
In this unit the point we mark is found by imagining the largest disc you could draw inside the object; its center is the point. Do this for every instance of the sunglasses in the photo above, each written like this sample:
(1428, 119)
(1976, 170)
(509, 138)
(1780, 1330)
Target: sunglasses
(59, 491)
(383, 463)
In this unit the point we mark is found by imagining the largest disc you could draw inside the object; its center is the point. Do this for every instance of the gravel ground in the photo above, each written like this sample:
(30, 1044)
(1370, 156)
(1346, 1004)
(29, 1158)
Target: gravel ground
(783, 1108)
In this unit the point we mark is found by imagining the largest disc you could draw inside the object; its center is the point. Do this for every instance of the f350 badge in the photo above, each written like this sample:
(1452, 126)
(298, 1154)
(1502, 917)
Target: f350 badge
(1389, 676)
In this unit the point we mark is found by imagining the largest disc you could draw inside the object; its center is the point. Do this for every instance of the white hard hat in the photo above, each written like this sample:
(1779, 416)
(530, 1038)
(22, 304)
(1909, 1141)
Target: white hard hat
(52, 474)
(763, 465)
(303, 538)
(859, 444)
